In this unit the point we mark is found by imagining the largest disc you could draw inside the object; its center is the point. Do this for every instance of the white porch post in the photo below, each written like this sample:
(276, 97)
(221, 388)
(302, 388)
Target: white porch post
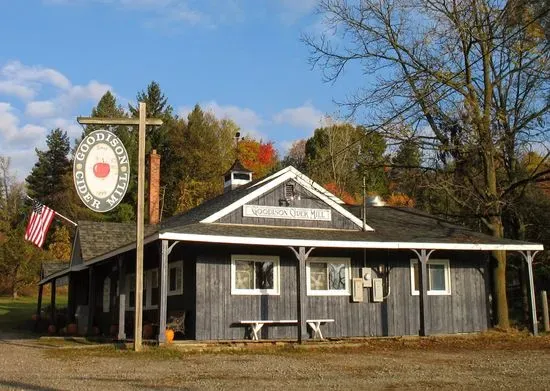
(301, 256)
(163, 302)
(528, 256)
(423, 257)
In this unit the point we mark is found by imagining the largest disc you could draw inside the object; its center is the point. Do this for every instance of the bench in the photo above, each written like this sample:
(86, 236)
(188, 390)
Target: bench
(256, 325)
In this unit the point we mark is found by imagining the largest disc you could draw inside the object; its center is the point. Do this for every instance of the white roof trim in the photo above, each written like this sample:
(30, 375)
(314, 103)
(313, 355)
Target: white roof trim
(347, 244)
(279, 178)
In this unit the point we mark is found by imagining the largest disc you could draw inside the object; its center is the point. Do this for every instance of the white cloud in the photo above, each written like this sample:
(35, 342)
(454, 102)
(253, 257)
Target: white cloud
(18, 72)
(43, 108)
(305, 116)
(247, 119)
(14, 135)
(25, 125)
(13, 88)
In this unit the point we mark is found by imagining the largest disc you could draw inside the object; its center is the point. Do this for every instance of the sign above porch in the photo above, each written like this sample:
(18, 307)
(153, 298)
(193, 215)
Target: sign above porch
(290, 213)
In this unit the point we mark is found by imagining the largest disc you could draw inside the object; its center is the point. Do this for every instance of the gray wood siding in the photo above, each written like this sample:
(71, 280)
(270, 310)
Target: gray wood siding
(217, 311)
(307, 200)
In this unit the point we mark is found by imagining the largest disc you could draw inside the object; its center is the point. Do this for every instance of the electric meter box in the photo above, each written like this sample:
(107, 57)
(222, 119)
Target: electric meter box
(366, 274)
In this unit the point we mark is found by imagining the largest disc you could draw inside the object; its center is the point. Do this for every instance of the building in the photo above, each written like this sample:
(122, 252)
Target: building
(282, 258)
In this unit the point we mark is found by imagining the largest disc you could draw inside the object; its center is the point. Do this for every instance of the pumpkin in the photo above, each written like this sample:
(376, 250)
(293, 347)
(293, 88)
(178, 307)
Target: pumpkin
(52, 329)
(147, 331)
(72, 329)
(169, 334)
(35, 317)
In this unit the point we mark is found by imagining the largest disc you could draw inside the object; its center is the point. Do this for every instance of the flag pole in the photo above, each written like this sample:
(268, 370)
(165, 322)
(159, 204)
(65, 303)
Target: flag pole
(56, 213)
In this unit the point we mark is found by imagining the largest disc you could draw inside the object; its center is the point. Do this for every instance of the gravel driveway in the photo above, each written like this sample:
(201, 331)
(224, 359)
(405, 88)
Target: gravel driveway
(515, 363)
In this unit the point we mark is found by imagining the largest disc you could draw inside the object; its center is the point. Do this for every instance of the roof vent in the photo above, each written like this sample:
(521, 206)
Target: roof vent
(236, 176)
(375, 201)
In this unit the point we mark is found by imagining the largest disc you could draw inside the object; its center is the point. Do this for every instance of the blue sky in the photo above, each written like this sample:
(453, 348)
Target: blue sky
(240, 59)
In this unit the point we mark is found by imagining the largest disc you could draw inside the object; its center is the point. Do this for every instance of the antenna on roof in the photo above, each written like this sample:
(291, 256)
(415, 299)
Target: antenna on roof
(237, 137)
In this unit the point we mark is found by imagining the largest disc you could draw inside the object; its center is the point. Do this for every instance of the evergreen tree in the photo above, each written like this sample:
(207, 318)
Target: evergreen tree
(45, 182)
(156, 107)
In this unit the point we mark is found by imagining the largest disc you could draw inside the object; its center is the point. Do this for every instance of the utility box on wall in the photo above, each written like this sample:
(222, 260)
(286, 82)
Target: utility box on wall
(357, 290)
(377, 290)
(366, 274)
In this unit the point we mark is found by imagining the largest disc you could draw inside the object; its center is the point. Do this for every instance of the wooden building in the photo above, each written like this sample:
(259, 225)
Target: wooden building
(282, 258)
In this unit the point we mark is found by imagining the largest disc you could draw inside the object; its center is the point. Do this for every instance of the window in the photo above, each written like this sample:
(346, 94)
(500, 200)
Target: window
(150, 290)
(175, 278)
(328, 276)
(254, 275)
(439, 277)
(130, 291)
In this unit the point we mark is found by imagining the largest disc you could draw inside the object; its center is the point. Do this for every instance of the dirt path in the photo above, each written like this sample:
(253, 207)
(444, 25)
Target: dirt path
(397, 364)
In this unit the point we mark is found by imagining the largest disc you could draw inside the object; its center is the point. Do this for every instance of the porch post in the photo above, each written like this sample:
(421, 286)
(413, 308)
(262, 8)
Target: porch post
(163, 302)
(528, 256)
(52, 302)
(91, 299)
(301, 256)
(121, 299)
(423, 257)
(38, 305)
(70, 301)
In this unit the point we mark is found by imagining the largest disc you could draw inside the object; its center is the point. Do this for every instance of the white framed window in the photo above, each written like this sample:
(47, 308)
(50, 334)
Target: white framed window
(150, 290)
(328, 276)
(439, 277)
(254, 275)
(175, 278)
(130, 291)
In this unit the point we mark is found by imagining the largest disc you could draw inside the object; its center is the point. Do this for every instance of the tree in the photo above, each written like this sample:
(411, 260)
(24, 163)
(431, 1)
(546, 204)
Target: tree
(475, 77)
(60, 245)
(156, 107)
(201, 150)
(45, 182)
(19, 260)
(258, 157)
(296, 155)
(330, 160)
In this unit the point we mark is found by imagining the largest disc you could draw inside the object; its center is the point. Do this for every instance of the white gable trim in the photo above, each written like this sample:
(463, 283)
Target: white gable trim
(280, 177)
(347, 244)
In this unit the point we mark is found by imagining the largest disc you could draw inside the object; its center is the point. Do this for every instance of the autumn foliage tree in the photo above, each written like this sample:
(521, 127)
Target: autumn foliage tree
(257, 156)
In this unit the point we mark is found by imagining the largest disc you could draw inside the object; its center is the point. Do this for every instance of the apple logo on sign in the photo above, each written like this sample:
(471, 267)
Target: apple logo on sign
(101, 169)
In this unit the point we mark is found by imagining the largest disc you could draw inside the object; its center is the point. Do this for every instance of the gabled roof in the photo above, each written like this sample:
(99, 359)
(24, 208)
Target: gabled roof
(389, 227)
(98, 238)
(394, 228)
(224, 203)
(237, 166)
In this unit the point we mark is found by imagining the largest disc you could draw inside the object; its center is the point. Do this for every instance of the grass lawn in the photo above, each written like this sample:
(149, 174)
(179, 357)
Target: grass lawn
(15, 314)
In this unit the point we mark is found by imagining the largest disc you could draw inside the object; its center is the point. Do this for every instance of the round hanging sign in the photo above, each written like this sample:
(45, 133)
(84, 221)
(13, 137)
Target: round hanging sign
(101, 170)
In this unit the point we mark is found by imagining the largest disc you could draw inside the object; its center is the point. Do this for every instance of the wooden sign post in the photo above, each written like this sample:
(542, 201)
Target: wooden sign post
(141, 122)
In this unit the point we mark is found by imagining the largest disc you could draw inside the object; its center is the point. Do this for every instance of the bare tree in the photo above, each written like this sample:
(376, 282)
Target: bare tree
(470, 76)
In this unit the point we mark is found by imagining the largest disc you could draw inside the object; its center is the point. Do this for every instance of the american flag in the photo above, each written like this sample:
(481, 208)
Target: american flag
(41, 218)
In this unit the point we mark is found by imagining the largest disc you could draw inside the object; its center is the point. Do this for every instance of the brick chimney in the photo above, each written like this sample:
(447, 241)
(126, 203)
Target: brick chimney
(154, 187)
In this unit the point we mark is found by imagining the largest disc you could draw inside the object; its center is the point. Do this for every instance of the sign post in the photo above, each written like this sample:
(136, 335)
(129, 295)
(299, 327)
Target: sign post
(141, 122)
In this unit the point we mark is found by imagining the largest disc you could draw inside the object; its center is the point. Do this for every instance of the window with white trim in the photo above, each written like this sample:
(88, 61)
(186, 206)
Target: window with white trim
(328, 276)
(150, 290)
(175, 278)
(254, 275)
(439, 277)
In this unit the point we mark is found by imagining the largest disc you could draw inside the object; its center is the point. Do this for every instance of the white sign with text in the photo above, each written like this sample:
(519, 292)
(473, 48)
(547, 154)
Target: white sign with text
(283, 212)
